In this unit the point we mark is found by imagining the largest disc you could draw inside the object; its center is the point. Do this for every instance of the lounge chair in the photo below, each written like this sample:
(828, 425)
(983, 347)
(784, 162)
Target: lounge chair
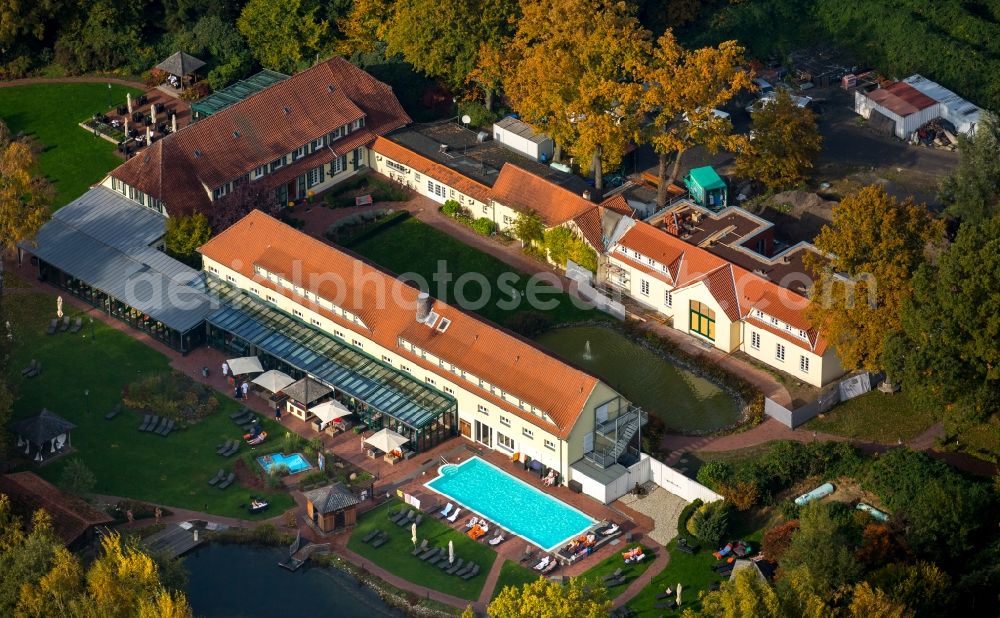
(409, 519)
(115, 411)
(146, 420)
(53, 326)
(499, 538)
(371, 535)
(462, 571)
(446, 511)
(399, 516)
(77, 325)
(31, 367)
(430, 553)
(420, 518)
(420, 548)
(64, 325)
(393, 513)
(544, 562)
(36, 371)
(618, 581)
(666, 605)
(232, 449)
(526, 556)
(381, 540)
(153, 423)
(454, 514)
(221, 474)
(470, 574)
(550, 567)
(229, 481)
(165, 431)
(224, 447)
(445, 564)
(682, 546)
(237, 414)
(454, 567)
(160, 426)
(472, 522)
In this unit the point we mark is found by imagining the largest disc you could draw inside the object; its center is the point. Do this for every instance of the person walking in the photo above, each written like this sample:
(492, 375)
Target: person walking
(245, 388)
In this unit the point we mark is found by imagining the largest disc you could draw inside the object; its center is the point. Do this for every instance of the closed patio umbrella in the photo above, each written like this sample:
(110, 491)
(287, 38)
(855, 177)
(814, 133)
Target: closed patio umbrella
(678, 593)
(245, 364)
(386, 440)
(413, 532)
(128, 102)
(59, 307)
(273, 380)
(173, 123)
(451, 552)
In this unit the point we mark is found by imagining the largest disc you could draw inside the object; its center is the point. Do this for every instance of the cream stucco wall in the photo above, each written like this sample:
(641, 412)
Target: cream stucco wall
(418, 182)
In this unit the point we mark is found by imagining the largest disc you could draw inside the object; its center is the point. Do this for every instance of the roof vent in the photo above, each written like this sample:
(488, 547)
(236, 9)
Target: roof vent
(329, 88)
(197, 154)
(236, 133)
(443, 147)
(287, 110)
(423, 306)
(586, 195)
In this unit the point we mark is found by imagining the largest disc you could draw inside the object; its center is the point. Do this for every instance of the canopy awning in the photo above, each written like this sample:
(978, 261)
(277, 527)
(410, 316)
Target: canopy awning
(329, 411)
(244, 365)
(180, 64)
(273, 380)
(42, 427)
(386, 440)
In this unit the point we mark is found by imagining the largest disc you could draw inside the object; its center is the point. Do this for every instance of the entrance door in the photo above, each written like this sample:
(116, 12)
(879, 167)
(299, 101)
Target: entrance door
(484, 434)
(465, 428)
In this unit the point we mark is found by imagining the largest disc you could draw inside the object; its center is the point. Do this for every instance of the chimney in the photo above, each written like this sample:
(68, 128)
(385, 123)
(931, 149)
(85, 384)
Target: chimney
(586, 195)
(423, 306)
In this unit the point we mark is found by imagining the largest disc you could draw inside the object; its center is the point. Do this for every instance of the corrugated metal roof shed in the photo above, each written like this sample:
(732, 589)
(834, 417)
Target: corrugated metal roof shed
(960, 112)
(103, 239)
(521, 129)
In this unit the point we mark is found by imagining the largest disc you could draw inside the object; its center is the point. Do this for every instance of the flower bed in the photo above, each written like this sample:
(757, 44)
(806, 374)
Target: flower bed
(171, 394)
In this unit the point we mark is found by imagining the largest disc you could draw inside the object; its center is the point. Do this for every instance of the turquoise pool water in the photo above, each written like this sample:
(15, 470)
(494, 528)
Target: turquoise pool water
(510, 503)
(295, 462)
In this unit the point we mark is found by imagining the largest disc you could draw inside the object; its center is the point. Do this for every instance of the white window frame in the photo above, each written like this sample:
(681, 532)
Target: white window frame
(779, 352)
(549, 444)
(755, 340)
(644, 287)
(527, 433)
(804, 363)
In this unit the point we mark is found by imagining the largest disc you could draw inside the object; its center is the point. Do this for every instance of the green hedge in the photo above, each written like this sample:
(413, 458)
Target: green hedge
(686, 513)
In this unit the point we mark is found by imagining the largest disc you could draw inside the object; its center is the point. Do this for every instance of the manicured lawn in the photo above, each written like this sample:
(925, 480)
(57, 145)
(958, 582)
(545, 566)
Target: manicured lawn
(415, 247)
(513, 574)
(172, 470)
(395, 556)
(875, 416)
(72, 158)
(612, 563)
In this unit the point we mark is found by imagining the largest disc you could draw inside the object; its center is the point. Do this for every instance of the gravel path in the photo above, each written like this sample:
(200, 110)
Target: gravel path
(663, 507)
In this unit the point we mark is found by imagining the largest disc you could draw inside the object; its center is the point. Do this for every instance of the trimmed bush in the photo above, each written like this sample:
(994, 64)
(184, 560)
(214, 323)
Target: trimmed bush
(484, 226)
(682, 521)
(451, 208)
(710, 522)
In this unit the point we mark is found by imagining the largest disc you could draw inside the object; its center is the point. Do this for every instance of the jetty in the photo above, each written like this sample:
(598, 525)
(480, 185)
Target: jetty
(300, 551)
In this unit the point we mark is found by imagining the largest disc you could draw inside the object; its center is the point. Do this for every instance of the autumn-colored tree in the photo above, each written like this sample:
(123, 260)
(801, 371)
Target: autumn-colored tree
(184, 234)
(283, 36)
(122, 582)
(488, 72)
(528, 228)
(747, 596)
(921, 586)
(575, 599)
(880, 545)
(874, 243)
(777, 539)
(25, 198)
(684, 87)
(801, 594)
(867, 601)
(25, 553)
(784, 146)
(364, 27)
(573, 74)
(443, 38)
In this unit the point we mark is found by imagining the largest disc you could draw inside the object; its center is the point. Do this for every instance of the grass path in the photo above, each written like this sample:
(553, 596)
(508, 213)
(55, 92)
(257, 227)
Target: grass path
(49, 112)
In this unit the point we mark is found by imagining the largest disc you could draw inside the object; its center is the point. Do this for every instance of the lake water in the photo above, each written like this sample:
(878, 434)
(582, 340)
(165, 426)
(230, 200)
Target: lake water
(230, 581)
(682, 399)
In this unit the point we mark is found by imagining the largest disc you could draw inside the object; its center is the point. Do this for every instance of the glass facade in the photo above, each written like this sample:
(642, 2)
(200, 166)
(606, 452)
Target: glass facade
(378, 394)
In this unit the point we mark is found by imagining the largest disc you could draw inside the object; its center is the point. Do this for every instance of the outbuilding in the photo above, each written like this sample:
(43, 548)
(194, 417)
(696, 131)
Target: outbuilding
(906, 107)
(953, 108)
(518, 135)
(332, 508)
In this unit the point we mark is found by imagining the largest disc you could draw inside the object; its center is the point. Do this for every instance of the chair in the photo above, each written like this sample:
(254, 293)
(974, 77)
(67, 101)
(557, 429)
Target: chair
(36, 371)
(420, 518)
(235, 415)
(114, 412)
(409, 519)
(31, 367)
(472, 522)
(371, 535)
(222, 448)
(499, 538)
(145, 422)
(470, 574)
(157, 428)
(399, 516)
(468, 567)
(64, 325)
(165, 431)
(420, 548)
(380, 540)
(430, 553)
(221, 474)
(229, 481)
(454, 515)
(53, 326)
(77, 325)
(614, 575)
(446, 564)
(454, 567)
(446, 511)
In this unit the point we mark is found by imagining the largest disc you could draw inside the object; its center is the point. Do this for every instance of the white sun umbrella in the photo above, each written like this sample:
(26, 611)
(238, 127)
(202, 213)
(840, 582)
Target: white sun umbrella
(128, 102)
(59, 307)
(451, 551)
(244, 364)
(329, 411)
(273, 380)
(386, 440)
(173, 123)
(413, 532)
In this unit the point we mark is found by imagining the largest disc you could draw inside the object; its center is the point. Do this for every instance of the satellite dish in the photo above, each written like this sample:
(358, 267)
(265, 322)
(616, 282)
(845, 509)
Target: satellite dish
(466, 119)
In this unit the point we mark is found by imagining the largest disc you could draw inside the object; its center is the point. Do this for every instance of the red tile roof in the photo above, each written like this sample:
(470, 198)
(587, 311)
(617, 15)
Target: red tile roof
(619, 204)
(71, 516)
(737, 290)
(183, 168)
(387, 307)
(901, 98)
(432, 169)
(523, 191)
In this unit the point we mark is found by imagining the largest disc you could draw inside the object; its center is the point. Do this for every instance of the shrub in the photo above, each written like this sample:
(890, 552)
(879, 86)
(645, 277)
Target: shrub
(710, 522)
(384, 192)
(154, 77)
(77, 478)
(484, 226)
(529, 323)
(478, 114)
(778, 539)
(196, 91)
(171, 394)
(451, 208)
(715, 474)
(264, 534)
(684, 518)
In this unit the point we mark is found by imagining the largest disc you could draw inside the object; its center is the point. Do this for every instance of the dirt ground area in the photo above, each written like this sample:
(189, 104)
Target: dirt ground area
(846, 490)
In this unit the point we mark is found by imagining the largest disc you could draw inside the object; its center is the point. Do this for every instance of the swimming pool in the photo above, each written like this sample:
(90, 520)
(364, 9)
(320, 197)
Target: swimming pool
(478, 486)
(295, 462)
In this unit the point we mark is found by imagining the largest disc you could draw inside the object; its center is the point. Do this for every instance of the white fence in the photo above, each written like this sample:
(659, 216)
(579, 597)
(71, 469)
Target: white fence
(678, 484)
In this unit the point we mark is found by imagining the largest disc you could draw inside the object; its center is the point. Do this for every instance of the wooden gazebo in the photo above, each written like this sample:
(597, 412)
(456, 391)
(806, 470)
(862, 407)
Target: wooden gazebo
(43, 436)
(332, 508)
(181, 64)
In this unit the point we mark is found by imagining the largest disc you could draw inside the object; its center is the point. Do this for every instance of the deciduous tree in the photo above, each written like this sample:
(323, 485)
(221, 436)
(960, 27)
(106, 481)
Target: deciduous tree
(822, 545)
(972, 192)
(784, 146)
(528, 228)
(867, 601)
(542, 597)
(77, 478)
(573, 74)
(947, 353)
(684, 87)
(747, 596)
(284, 36)
(364, 28)
(443, 38)
(184, 234)
(875, 243)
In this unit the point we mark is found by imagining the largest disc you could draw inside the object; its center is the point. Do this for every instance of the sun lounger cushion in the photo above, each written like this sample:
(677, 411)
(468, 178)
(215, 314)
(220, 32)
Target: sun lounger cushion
(229, 481)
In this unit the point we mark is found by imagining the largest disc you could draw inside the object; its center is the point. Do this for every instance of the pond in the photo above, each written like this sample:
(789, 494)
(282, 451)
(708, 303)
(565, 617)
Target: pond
(240, 580)
(685, 401)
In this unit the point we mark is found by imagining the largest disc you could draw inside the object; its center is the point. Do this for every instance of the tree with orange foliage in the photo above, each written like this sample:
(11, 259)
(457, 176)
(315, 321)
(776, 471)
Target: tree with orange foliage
(777, 540)
(684, 88)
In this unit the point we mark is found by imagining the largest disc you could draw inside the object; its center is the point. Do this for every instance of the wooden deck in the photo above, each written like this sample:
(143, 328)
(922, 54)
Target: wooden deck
(177, 539)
